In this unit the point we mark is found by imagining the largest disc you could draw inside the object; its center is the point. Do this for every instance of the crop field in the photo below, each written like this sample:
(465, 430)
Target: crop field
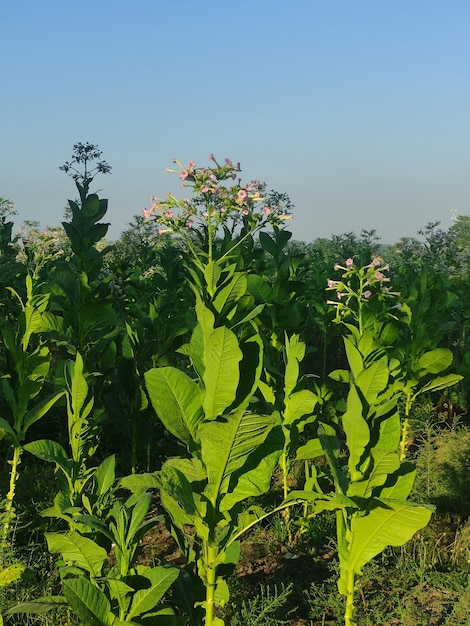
(207, 422)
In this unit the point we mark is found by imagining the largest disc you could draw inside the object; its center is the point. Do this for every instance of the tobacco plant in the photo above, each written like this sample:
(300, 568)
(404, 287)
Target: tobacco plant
(25, 370)
(228, 453)
(373, 473)
(100, 595)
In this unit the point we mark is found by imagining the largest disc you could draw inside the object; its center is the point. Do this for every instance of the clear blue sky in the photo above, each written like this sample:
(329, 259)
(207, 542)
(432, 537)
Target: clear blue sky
(358, 109)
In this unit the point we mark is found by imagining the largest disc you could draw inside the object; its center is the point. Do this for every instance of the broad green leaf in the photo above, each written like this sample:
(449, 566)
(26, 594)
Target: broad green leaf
(331, 447)
(389, 429)
(177, 496)
(139, 483)
(310, 450)
(321, 502)
(441, 382)
(373, 380)
(79, 385)
(80, 550)
(40, 409)
(145, 600)
(399, 485)
(390, 523)
(342, 376)
(39, 606)
(255, 476)
(230, 294)
(434, 361)
(105, 475)
(177, 400)
(88, 602)
(356, 429)
(193, 469)
(139, 511)
(383, 464)
(354, 357)
(226, 445)
(250, 368)
(221, 375)
(295, 352)
(212, 272)
(267, 392)
(51, 451)
(299, 404)
(6, 427)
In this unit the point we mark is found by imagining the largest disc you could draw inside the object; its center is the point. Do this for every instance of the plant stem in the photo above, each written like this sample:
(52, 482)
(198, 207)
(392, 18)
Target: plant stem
(211, 582)
(348, 614)
(9, 511)
(405, 427)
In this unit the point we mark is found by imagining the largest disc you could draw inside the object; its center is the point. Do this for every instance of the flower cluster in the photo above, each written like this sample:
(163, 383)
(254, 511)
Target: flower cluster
(215, 202)
(83, 154)
(359, 286)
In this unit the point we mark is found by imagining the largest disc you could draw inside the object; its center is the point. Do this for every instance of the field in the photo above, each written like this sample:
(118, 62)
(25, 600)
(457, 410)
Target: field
(206, 422)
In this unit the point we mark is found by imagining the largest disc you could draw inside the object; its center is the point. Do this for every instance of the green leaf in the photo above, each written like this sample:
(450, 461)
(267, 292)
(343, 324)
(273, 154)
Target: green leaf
(40, 409)
(383, 464)
(39, 606)
(80, 550)
(88, 602)
(434, 361)
(310, 450)
(145, 600)
(356, 429)
(227, 444)
(229, 296)
(342, 376)
(390, 523)
(331, 447)
(373, 380)
(105, 475)
(221, 375)
(299, 404)
(50, 451)
(354, 357)
(177, 400)
(295, 352)
(441, 382)
(255, 476)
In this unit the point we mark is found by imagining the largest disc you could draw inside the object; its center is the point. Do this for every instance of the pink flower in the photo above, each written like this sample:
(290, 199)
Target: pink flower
(211, 157)
(169, 213)
(266, 210)
(184, 174)
(228, 162)
(204, 188)
(191, 165)
(367, 294)
(349, 262)
(146, 213)
(376, 261)
(379, 276)
(242, 195)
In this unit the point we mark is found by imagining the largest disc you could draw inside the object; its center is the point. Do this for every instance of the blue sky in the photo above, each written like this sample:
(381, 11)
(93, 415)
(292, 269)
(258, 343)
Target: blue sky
(359, 110)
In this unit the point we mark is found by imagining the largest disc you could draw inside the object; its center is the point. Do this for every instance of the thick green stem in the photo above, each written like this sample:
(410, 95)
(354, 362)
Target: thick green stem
(9, 510)
(405, 427)
(211, 583)
(348, 613)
